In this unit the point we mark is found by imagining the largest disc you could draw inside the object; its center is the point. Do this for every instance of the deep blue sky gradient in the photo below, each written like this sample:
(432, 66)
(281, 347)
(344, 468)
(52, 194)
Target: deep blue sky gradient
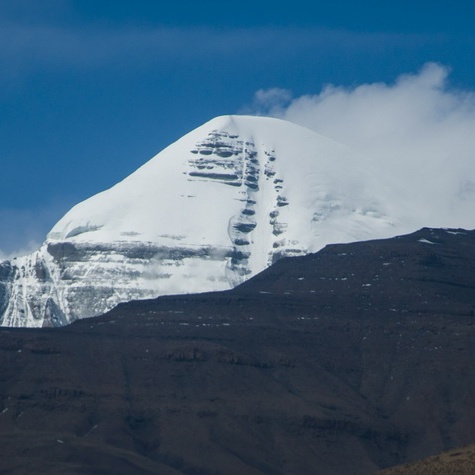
(91, 89)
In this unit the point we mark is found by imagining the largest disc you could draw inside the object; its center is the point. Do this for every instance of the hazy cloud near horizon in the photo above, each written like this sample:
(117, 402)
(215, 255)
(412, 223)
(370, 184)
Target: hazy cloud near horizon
(418, 128)
(24, 230)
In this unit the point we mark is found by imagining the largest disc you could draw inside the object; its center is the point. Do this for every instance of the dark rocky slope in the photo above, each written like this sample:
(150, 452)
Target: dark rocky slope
(356, 358)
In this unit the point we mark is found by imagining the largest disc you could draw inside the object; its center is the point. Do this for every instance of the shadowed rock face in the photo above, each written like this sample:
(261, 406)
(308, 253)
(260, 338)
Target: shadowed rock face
(346, 361)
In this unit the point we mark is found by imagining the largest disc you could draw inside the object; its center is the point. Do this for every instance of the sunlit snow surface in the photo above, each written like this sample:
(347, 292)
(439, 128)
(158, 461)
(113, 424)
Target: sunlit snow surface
(211, 210)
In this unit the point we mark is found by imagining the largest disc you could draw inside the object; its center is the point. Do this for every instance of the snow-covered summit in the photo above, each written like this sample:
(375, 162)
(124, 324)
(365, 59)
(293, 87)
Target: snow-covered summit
(189, 188)
(209, 211)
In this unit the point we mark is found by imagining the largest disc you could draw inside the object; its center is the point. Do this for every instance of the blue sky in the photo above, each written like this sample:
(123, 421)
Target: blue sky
(91, 89)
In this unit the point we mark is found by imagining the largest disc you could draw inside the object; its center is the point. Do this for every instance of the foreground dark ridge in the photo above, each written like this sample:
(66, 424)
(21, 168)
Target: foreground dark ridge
(353, 359)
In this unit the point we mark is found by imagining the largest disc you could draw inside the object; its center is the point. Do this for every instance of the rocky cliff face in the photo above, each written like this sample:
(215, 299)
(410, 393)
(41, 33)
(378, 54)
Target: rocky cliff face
(213, 209)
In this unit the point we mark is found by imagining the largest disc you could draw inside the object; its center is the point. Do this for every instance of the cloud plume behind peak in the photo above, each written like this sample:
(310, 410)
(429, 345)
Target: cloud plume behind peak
(418, 128)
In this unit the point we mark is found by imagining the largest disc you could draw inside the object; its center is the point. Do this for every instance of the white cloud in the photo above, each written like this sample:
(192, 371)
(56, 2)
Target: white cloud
(274, 99)
(418, 129)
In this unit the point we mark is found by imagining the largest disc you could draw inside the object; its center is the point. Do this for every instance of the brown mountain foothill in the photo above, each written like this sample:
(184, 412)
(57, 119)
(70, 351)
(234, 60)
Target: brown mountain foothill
(459, 461)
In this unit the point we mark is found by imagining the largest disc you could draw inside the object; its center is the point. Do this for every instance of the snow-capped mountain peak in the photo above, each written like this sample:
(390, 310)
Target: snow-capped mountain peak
(214, 208)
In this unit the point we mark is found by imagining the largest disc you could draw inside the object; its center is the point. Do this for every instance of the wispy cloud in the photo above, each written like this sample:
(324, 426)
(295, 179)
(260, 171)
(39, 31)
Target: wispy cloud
(26, 46)
(419, 129)
(271, 101)
(23, 230)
